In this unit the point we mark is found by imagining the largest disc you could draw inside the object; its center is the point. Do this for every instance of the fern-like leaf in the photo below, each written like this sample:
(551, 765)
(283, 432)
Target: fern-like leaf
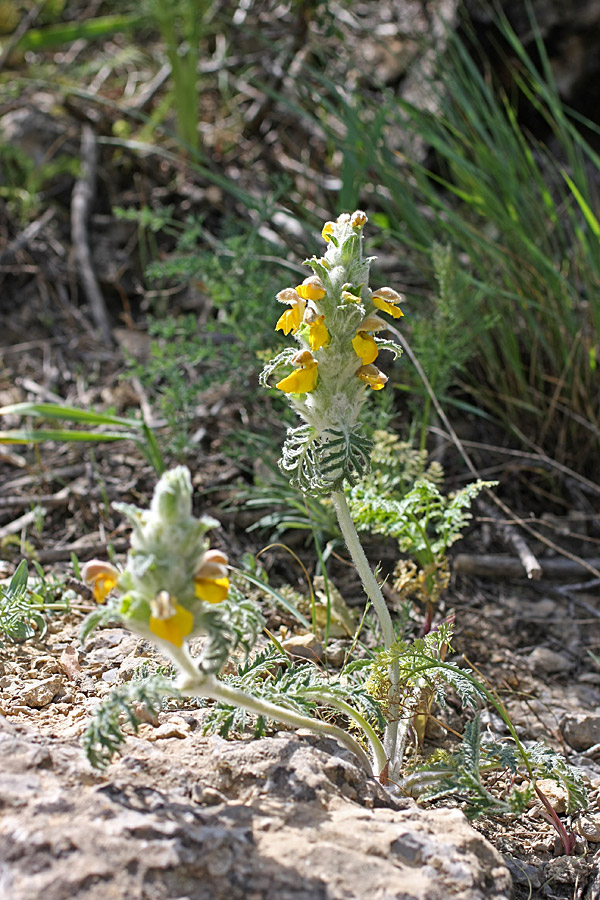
(105, 733)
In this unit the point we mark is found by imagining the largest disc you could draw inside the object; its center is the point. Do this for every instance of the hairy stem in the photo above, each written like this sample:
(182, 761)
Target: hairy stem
(374, 594)
(199, 685)
(378, 754)
(363, 568)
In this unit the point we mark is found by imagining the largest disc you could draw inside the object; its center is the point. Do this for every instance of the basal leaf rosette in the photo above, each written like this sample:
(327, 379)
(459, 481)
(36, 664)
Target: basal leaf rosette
(172, 578)
(336, 320)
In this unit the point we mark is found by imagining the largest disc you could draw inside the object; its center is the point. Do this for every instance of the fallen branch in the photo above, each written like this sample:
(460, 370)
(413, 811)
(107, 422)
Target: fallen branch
(83, 193)
(498, 566)
(512, 538)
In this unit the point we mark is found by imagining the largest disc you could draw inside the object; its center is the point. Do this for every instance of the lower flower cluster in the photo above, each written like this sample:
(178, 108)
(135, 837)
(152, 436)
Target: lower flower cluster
(171, 577)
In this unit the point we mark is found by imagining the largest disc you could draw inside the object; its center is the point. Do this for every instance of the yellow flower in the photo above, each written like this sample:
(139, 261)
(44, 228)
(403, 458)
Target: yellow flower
(311, 288)
(372, 376)
(327, 231)
(289, 320)
(170, 621)
(211, 583)
(365, 347)
(318, 336)
(301, 381)
(211, 590)
(102, 577)
(385, 299)
(349, 297)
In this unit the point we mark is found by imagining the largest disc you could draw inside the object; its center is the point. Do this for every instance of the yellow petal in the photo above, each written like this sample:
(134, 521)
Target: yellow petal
(289, 321)
(372, 376)
(103, 585)
(175, 628)
(318, 336)
(358, 219)
(382, 304)
(365, 346)
(302, 381)
(211, 590)
(311, 288)
(327, 231)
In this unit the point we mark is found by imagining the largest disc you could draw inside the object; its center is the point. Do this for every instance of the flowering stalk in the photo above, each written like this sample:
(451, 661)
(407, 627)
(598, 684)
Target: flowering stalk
(335, 318)
(174, 587)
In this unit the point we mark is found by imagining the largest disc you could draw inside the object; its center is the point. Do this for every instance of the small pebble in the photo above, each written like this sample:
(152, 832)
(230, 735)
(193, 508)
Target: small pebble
(544, 661)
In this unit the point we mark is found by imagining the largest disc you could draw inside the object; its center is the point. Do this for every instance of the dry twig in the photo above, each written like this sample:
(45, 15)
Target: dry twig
(83, 194)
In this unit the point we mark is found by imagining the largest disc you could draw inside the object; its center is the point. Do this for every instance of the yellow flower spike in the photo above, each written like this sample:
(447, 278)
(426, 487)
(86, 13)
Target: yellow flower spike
(386, 299)
(372, 376)
(101, 576)
(169, 621)
(365, 347)
(358, 219)
(327, 231)
(302, 381)
(211, 590)
(311, 288)
(318, 336)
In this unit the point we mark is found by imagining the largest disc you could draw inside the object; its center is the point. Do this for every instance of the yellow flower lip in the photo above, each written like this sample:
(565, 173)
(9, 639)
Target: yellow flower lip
(349, 297)
(385, 299)
(311, 288)
(291, 319)
(211, 590)
(327, 231)
(365, 347)
(372, 376)
(102, 576)
(303, 380)
(318, 336)
(169, 621)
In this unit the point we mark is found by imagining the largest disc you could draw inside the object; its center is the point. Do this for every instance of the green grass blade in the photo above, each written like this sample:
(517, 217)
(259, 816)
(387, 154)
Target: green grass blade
(590, 218)
(67, 32)
(70, 413)
(28, 436)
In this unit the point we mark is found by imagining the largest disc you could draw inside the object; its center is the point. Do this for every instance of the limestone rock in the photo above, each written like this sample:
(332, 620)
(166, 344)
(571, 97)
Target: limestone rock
(581, 730)
(283, 818)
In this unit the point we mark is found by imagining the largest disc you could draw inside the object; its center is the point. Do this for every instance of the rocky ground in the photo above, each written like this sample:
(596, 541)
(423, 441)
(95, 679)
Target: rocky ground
(184, 816)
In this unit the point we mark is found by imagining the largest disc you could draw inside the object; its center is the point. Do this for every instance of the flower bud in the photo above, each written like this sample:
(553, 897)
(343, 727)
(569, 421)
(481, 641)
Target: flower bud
(358, 219)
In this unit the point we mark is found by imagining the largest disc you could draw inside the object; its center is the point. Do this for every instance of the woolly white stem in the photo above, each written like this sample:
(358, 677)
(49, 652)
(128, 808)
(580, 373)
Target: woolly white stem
(374, 594)
(208, 686)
